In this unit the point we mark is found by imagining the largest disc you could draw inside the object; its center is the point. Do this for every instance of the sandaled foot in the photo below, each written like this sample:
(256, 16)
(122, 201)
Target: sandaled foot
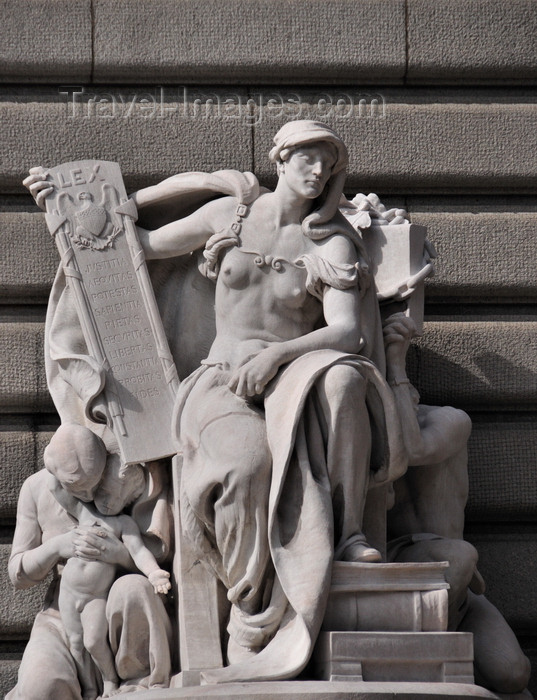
(359, 551)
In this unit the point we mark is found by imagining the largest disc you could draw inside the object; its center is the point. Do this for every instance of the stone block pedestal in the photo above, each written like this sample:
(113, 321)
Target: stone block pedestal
(428, 657)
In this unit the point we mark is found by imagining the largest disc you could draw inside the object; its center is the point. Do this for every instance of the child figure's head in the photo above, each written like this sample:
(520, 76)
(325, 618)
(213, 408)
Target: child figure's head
(76, 457)
(120, 486)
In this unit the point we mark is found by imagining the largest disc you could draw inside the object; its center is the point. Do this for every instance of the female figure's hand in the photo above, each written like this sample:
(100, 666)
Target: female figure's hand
(39, 186)
(95, 543)
(253, 376)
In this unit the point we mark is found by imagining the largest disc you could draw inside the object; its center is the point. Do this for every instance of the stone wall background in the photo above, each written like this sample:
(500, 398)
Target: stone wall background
(437, 103)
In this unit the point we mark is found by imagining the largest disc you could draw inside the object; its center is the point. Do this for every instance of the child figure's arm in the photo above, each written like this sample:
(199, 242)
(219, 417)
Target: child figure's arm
(142, 557)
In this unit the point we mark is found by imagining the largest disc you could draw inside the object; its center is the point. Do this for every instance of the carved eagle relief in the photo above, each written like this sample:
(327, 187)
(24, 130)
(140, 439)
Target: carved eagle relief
(91, 225)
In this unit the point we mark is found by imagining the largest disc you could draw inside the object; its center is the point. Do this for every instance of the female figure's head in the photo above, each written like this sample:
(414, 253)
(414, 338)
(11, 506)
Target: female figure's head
(312, 158)
(76, 457)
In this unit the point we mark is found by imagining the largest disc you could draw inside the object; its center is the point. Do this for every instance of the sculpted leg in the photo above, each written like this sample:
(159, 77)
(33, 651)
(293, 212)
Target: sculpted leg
(72, 622)
(342, 391)
(140, 634)
(95, 628)
(499, 662)
(228, 492)
(226, 485)
(226, 482)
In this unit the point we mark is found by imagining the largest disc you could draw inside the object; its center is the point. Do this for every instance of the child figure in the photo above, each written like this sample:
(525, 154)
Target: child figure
(85, 583)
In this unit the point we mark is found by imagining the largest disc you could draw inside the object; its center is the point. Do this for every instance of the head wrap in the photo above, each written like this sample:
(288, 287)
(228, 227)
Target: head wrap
(305, 131)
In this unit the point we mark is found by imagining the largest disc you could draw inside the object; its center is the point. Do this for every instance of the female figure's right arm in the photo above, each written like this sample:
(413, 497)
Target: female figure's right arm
(177, 238)
(188, 234)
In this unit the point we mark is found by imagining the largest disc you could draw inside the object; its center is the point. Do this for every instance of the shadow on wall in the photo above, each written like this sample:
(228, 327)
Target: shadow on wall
(487, 381)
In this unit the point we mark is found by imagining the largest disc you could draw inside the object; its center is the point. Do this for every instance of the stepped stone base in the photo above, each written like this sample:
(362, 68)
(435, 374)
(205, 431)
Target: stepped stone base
(322, 690)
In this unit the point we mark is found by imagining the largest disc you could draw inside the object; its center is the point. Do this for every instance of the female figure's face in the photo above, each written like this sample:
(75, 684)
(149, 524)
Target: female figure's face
(78, 484)
(308, 169)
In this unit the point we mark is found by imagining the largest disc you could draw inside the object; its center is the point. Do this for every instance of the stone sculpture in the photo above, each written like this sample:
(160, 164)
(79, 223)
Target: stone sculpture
(426, 522)
(45, 540)
(85, 584)
(293, 412)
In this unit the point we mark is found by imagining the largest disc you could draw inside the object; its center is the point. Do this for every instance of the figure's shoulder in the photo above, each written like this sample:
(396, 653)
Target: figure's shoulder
(36, 482)
(242, 185)
(33, 488)
(338, 248)
(232, 209)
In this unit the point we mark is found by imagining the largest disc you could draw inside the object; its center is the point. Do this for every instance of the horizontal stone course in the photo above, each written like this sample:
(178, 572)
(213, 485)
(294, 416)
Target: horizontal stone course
(487, 254)
(29, 257)
(502, 483)
(130, 125)
(483, 255)
(46, 40)
(234, 41)
(471, 41)
(501, 468)
(422, 141)
(405, 142)
(474, 365)
(308, 41)
(21, 454)
(24, 387)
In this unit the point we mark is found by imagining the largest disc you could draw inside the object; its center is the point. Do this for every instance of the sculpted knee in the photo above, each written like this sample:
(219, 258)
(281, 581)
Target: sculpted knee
(504, 673)
(466, 555)
(95, 639)
(462, 557)
(464, 422)
(130, 585)
(342, 384)
(36, 687)
(500, 663)
(76, 644)
(250, 468)
(129, 594)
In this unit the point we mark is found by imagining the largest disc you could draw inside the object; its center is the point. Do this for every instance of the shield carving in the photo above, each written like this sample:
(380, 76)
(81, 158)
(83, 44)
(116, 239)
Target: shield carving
(92, 219)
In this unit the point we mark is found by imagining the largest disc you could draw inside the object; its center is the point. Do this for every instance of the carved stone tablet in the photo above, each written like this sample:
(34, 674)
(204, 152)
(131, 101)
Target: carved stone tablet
(92, 222)
(397, 263)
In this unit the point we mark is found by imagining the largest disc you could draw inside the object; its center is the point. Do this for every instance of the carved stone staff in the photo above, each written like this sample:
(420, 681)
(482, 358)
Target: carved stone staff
(92, 222)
